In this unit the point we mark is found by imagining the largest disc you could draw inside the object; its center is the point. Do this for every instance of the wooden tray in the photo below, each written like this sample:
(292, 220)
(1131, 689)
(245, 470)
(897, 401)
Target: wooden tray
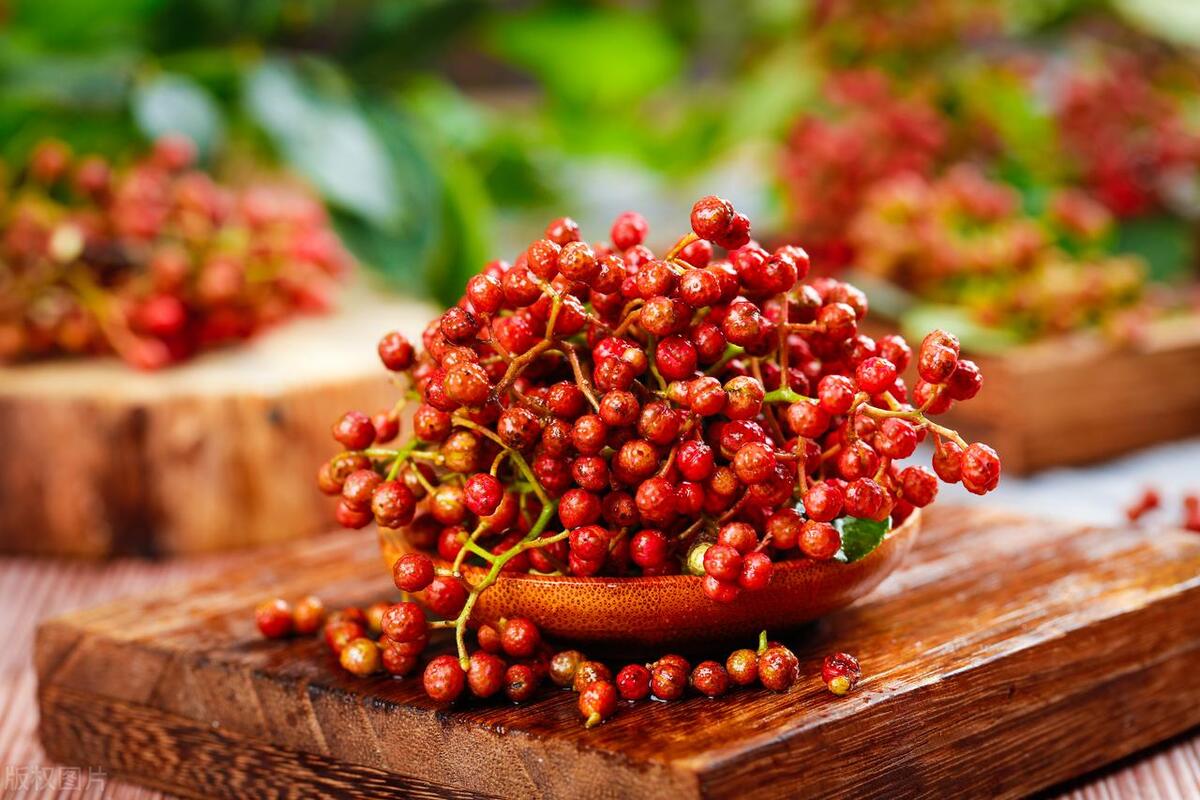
(1006, 655)
(1084, 399)
(218, 453)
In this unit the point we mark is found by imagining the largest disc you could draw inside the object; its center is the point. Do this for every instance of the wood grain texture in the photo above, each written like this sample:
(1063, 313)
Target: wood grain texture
(1080, 400)
(1005, 656)
(217, 453)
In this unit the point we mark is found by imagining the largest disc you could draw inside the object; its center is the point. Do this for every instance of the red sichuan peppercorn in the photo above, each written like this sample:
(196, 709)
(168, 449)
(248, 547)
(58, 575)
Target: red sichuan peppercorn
(597, 702)
(588, 672)
(778, 668)
(742, 667)
(308, 615)
(840, 672)
(710, 679)
(274, 618)
(633, 682)
(521, 682)
(360, 657)
(444, 679)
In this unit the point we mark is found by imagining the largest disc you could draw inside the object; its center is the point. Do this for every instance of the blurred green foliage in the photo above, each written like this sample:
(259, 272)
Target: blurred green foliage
(323, 87)
(362, 98)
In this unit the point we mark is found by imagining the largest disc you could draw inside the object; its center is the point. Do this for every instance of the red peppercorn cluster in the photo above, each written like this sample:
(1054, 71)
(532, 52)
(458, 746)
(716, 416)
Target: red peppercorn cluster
(511, 657)
(595, 409)
(671, 677)
(155, 261)
(1127, 134)
(870, 132)
(964, 239)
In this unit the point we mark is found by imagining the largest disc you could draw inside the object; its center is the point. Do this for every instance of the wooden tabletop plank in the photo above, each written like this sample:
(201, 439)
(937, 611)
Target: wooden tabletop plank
(901, 668)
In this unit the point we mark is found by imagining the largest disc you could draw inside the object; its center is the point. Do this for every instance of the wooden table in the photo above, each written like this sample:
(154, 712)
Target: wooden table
(31, 590)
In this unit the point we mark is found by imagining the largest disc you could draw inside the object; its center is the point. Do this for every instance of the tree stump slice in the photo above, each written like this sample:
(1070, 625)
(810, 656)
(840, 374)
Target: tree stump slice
(217, 453)
(1006, 655)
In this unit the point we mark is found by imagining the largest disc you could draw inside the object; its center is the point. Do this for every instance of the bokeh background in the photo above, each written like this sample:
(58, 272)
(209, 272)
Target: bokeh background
(441, 133)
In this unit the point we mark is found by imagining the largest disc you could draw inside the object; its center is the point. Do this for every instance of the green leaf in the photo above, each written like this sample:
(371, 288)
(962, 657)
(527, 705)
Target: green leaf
(74, 25)
(325, 137)
(76, 83)
(1166, 243)
(404, 248)
(860, 536)
(1007, 105)
(599, 57)
(176, 104)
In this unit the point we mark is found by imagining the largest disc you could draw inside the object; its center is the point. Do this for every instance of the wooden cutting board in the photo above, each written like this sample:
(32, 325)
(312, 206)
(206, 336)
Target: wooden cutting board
(1006, 655)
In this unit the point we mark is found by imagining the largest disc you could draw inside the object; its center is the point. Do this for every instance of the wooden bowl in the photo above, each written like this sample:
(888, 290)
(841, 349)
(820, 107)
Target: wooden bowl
(673, 609)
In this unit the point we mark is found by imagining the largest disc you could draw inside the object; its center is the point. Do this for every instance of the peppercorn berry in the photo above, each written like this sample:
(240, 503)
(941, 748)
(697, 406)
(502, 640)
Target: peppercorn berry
(633, 682)
(520, 638)
(840, 673)
(710, 679)
(742, 667)
(597, 702)
(668, 680)
(308, 615)
(778, 668)
(589, 672)
(274, 618)
(444, 679)
(521, 683)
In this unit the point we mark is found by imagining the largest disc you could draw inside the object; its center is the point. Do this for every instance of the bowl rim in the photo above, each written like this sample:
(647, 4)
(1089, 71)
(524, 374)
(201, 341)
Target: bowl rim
(906, 528)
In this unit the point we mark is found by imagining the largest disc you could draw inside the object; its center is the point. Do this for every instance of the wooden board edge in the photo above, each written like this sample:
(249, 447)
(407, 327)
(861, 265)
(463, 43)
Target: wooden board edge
(1152, 686)
(184, 757)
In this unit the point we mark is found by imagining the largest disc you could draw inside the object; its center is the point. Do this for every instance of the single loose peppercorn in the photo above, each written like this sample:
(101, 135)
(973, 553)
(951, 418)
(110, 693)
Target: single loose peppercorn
(340, 632)
(444, 679)
(375, 613)
(633, 682)
(563, 665)
(274, 618)
(668, 680)
(742, 667)
(710, 679)
(308, 615)
(778, 668)
(841, 673)
(589, 672)
(521, 682)
(597, 702)
(360, 657)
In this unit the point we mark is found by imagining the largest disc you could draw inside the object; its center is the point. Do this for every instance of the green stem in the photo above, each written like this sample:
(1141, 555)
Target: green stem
(783, 395)
(402, 455)
(732, 351)
(460, 624)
